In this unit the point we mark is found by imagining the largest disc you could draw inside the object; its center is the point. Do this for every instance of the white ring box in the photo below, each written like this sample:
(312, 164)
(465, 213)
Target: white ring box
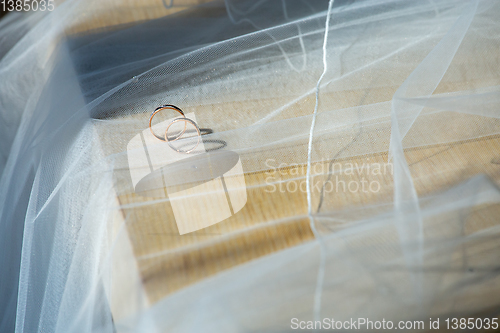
(204, 188)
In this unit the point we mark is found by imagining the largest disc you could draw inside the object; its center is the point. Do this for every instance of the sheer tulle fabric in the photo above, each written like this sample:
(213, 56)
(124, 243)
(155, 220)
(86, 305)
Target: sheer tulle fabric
(388, 76)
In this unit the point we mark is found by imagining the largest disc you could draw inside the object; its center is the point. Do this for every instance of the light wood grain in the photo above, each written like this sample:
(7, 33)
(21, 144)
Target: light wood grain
(271, 222)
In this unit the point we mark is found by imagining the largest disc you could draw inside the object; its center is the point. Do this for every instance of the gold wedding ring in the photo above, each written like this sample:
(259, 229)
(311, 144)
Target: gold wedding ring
(185, 120)
(166, 107)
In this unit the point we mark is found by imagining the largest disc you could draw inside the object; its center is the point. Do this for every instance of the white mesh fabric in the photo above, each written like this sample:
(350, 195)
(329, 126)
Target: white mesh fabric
(391, 77)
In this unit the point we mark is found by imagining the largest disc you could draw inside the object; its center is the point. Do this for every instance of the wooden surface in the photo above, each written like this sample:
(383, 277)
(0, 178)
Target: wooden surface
(168, 261)
(271, 222)
(112, 15)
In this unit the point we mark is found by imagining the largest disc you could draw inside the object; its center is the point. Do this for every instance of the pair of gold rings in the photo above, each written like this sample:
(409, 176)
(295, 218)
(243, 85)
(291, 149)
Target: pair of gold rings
(170, 139)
